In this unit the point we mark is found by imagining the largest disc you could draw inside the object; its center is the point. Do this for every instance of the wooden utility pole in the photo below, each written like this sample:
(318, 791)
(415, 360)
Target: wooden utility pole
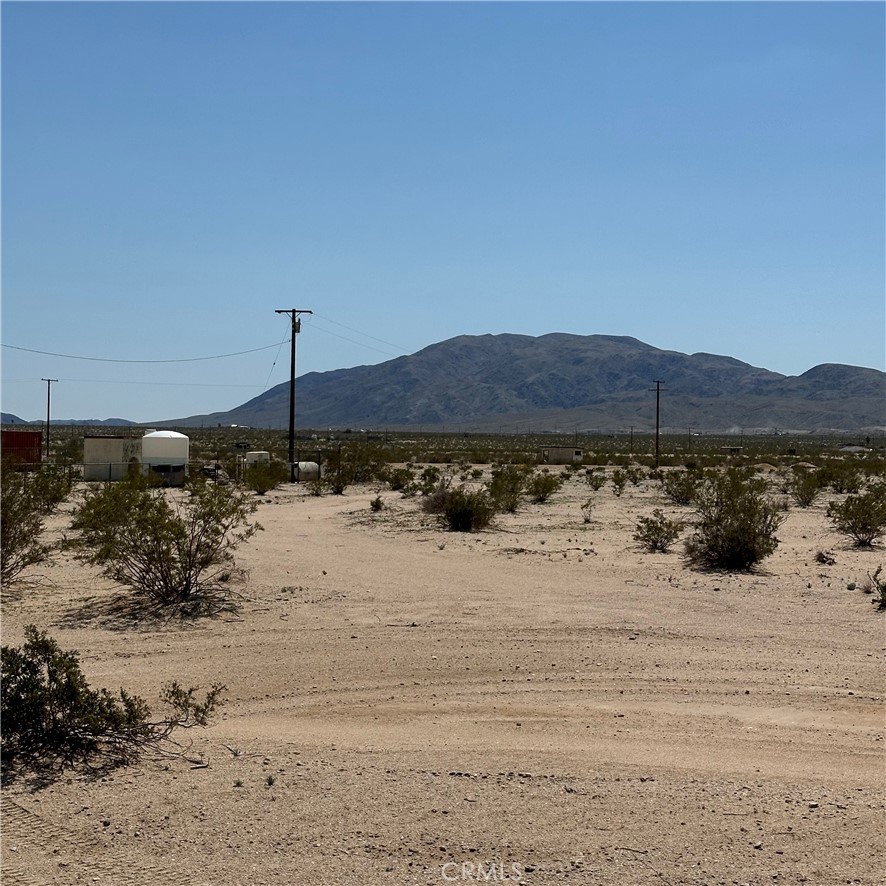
(658, 383)
(49, 382)
(296, 328)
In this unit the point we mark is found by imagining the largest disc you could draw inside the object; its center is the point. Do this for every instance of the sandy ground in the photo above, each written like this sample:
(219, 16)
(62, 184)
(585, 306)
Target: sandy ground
(540, 702)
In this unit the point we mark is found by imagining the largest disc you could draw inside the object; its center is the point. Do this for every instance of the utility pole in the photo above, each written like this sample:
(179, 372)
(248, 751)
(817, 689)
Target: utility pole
(296, 328)
(49, 382)
(658, 383)
(632, 439)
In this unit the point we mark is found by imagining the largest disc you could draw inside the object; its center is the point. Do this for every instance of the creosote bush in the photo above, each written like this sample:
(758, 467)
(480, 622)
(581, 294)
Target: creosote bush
(461, 509)
(876, 586)
(264, 476)
(595, 479)
(804, 488)
(619, 481)
(736, 523)
(543, 484)
(657, 533)
(506, 486)
(680, 486)
(173, 552)
(21, 524)
(53, 719)
(863, 516)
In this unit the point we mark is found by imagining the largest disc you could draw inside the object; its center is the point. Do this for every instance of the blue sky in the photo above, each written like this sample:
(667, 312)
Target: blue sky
(701, 176)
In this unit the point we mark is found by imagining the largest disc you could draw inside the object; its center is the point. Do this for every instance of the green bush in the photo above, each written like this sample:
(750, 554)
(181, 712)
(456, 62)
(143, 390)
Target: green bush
(543, 484)
(634, 474)
(51, 485)
(400, 480)
(506, 486)
(21, 525)
(595, 479)
(680, 486)
(175, 553)
(265, 475)
(736, 523)
(657, 533)
(429, 479)
(841, 476)
(619, 480)
(52, 718)
(466, 510)
(862, 517)
(803, 488)
(876, 586)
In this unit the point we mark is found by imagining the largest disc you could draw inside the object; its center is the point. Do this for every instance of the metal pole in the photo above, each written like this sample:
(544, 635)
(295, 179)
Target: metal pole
(49, 382)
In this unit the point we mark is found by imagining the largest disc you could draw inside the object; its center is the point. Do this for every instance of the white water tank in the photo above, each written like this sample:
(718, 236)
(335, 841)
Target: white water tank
(307, 470)
(166, 453)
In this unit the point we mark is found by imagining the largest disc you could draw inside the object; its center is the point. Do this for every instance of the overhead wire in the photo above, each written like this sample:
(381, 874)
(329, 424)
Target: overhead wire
(111, 360)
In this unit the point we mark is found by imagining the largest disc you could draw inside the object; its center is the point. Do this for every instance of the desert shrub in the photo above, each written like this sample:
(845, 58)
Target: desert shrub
(863, 516)
(876, 586)
(680, 486)
(736, 523)
(841, 476)
(52, 718)
(429, 479)
(595, 479)
(803, 488)
(657, 533)
(20, 527)
(466, 510)
(175, 554)
(360, 462)
(543, 484)
(400, 480)
(619, 480)
(262, 476)
(435, 502)
(634, 474)
(506, 486)
(376, 504)
(826, 558)
(51, 485)
(587, 510)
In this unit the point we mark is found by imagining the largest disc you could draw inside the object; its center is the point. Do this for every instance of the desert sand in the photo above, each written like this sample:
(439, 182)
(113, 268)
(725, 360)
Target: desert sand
(541, 701)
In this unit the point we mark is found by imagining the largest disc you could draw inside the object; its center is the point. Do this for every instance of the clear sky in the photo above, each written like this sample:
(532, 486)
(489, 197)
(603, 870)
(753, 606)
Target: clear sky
(701, 176)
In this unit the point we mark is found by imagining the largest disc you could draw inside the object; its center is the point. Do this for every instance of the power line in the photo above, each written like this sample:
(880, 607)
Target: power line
(110, 360)
(352, 341)
(117, 381)
(364, 334)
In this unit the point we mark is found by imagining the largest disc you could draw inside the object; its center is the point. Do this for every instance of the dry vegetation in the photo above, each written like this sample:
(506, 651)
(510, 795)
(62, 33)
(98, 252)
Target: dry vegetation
(546, 693)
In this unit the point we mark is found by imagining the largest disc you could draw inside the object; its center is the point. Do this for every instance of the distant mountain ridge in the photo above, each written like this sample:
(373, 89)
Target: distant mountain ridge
(7, 418)
(561, 381)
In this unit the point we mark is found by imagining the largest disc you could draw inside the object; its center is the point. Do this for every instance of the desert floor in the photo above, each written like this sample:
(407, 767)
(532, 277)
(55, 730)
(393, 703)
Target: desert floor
(541, 701)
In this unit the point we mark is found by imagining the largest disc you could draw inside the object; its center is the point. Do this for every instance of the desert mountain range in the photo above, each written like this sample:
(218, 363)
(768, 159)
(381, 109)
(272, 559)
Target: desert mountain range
(564, 382)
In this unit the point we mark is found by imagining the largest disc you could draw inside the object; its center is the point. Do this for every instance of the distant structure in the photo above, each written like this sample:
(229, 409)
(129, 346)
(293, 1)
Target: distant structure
(114, 456)
(110, 456)
(561, 455)
(22, 447)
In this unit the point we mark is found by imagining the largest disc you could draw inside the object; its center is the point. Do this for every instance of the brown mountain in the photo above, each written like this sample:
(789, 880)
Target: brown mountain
(561, 381)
